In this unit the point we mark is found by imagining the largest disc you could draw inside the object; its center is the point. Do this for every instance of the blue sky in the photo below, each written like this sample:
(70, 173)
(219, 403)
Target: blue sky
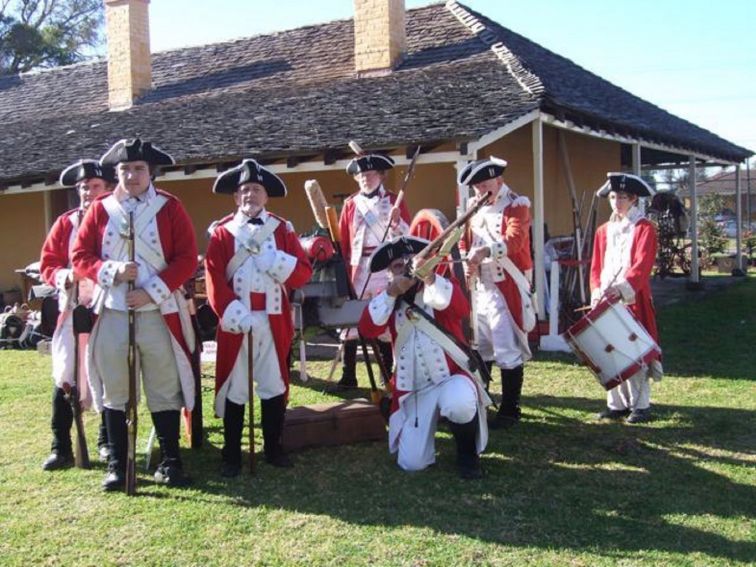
(694, 58)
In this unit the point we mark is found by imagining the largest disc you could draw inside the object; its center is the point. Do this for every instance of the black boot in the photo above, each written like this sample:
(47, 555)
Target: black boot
(61, 455)
(115, 422)
(349, 370)
(387, 355)
(468, 461)
(170, 471)
(511, 388)
(233, 425)
(103, 448)
(272, 417)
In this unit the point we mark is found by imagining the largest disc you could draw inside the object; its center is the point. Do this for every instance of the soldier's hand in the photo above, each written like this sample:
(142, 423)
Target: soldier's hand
(399, 285)
(612, 293)
(395, 216)
(127, 272)
(137, 298)
(477, 255)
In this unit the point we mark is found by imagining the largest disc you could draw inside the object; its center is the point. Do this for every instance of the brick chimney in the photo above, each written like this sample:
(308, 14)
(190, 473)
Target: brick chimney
(129, 62)
(380, 36)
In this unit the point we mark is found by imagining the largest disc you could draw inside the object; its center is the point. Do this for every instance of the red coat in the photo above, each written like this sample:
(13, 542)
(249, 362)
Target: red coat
(515, 234)
(637, 275)
(347, 229)
(179, 246)
(220, 294)
(55, 250)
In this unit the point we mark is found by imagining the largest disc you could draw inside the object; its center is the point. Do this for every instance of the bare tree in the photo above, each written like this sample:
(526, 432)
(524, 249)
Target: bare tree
(47, 33)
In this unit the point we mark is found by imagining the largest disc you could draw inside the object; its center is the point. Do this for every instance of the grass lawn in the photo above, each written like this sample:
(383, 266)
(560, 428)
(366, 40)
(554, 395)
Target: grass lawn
(560, 489)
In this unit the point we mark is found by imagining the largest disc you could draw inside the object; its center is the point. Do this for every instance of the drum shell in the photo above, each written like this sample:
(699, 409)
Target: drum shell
(612, 343)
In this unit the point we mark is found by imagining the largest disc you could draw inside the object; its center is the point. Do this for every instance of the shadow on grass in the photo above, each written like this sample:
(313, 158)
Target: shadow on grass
(558, 480)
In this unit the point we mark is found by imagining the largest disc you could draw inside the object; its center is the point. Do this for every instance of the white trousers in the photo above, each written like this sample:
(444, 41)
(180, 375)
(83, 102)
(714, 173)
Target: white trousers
(155, 360)
(455, 399)
(633, 394)
(265, 368)
(497, 341)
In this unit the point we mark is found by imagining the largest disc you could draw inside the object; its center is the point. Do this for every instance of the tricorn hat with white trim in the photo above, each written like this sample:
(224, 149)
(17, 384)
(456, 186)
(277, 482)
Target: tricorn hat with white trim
(369, 162)
(393, 249)
(135, 150)
(481, 170)
(249, 171)
(627, 183)
(86, 169)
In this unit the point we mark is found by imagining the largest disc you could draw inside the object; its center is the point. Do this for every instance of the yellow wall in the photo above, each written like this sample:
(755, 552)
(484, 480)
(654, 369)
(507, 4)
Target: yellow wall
(22, 232)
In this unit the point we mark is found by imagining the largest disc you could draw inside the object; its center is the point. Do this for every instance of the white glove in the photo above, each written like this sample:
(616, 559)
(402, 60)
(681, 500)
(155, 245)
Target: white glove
(251, 320)
(265, 260)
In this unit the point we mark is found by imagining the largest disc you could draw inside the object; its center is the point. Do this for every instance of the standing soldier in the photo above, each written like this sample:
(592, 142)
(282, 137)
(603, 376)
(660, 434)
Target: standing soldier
(364, 221)
(498, 245)
(253, 260)
(166, 256)
(624, 252)
(90, 180)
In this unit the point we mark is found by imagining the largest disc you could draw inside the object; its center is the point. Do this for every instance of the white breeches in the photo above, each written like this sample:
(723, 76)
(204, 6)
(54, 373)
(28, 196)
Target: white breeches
(155, 357)
(265, 370)
(633, 394)
(455, 399)
(496, 335)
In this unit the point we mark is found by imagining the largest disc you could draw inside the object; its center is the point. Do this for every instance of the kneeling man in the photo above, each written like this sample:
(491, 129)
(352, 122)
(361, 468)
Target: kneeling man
(431, 375)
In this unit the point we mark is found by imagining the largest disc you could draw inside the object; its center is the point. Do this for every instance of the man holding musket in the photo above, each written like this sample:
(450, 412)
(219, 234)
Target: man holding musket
(253, 260)
(432, 375)
(90, 180)
(166, 257)
(364, 221)
(499, 262)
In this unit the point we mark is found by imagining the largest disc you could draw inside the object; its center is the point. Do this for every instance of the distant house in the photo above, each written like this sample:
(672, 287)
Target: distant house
(724, 184)
(442, 77)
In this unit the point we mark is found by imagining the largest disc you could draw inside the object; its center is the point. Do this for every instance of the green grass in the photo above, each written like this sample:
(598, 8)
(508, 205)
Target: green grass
(561, 488)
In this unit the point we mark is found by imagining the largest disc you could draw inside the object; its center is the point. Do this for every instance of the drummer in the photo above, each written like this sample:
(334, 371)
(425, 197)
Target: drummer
(624, 252)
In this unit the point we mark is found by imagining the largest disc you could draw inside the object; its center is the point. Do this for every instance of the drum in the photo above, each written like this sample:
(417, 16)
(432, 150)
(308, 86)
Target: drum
(612, 343)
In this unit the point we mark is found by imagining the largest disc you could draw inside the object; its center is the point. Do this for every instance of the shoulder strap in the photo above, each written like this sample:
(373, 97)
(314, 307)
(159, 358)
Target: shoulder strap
(251, 246)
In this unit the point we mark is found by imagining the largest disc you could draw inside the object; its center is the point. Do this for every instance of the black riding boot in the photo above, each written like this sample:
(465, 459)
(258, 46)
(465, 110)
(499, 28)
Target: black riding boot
(61, 455)
(272, 417)
(103, 448)
(170, 471)
(468, 461)
(349, 370)
(233, 425)
(115, 422)
(511, 388)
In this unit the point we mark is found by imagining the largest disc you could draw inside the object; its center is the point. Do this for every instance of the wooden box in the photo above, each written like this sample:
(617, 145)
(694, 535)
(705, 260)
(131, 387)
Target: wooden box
(339, 423)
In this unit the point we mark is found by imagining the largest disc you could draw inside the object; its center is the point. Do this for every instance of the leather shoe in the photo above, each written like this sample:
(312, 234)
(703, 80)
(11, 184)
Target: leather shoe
(57, 461)
(114, 480)
(502, 421)
(280, 460)
(613, 414)
(171, 475)
(639, 416)
(469, 468)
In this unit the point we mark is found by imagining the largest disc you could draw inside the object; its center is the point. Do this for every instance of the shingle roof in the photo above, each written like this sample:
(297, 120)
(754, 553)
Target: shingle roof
(295, 92)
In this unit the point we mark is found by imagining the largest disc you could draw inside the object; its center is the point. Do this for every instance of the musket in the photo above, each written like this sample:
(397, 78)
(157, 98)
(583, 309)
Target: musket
(81, 454)
(251, 389)
(131, 408)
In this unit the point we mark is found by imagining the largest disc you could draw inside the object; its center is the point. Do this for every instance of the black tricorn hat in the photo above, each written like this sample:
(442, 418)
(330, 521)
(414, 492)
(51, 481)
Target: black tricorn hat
(86, 169)
(393, 249)
(627, 183)
(135, 150)
(369, 162)
(249, 171)
(480, 170)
